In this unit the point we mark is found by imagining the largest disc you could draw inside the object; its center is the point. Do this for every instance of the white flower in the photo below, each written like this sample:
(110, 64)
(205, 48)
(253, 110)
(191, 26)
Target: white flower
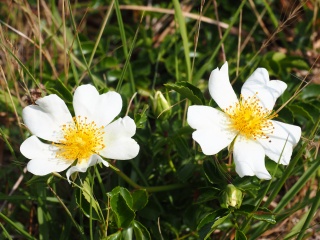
(246, 123)
(85, 137)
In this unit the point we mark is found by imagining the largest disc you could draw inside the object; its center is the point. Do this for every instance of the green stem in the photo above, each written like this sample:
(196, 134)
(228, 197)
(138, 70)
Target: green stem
(79, 43)
(150, 189)
(16, 227)
(69, 213)
(125, 50)
(105, 20)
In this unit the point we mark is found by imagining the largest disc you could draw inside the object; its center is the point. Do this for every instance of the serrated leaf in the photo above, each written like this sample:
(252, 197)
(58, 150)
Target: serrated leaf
(141, 118)
(85, 206)
(123, 213)
(125, 194)
(87, 193)
(140, 199)
(140, 231)
(187, 90)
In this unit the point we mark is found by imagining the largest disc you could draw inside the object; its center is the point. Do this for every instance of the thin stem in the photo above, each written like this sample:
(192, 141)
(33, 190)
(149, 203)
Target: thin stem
(150, 189)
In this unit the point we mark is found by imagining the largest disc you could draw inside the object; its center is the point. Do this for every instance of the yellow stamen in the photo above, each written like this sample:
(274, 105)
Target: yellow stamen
(80, 140)
(250, 119)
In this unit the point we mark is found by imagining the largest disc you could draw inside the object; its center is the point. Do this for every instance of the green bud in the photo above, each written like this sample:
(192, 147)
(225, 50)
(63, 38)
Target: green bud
(231, 197)
(160, 106)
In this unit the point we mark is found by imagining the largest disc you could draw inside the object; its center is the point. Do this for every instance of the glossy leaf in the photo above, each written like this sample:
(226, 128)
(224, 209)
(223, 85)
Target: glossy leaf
(140, 231)
(140, 199)
(187, 90)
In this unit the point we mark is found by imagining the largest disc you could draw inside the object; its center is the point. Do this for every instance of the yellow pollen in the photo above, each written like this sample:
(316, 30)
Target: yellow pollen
(80, 140)
(250, 119)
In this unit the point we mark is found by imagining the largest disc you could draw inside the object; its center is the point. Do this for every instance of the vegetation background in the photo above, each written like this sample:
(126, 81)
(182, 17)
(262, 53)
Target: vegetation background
(171, 190)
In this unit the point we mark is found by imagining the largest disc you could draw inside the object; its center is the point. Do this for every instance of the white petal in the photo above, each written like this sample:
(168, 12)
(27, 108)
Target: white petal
(46, 118)
(212, 132)
(284, 138)
(83, 165)
(249, 158)
(203, 117)
(220, 87)
(118, 141)
(268, 91)
(43, 157)
(99, 108)
(213, 140)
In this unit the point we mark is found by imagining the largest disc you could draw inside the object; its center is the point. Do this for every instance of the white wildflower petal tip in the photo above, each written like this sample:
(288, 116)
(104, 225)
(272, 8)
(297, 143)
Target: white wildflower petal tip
(83, 164)
(45, 119)
(281, 142)
(249, 158)
(260, 85)
(43, 157)
(118, 141)
(101, 109)
(220, 87)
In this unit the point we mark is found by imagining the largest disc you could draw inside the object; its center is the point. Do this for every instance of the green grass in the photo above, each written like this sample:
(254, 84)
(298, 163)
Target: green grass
(171, 190)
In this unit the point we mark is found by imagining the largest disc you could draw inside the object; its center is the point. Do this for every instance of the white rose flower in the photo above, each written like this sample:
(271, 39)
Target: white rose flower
(246, 124)
(85, 137)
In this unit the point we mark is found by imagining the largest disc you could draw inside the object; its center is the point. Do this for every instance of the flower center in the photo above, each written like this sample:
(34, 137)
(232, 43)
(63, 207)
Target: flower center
(250, 119)
(80, 140)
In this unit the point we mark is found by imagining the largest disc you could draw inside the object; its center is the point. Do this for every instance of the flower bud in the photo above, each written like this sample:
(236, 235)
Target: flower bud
(161, 107)
(231, 197)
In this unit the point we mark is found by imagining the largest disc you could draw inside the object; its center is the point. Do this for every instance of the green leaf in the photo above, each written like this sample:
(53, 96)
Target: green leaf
(264, 214)
(187, 90)
(214, 173)
(58, 87)
(300, 111)
(183, 31)
(212, 217)
(271, 166)
(245, 209)
(125, 194)
(286, 115)
(141, 118)
(140, 199)
(87, 193)
(115, 236)
(84, 204)
(240, 235)
(208, 194)
(311, 91)
(247, 183)
(121, 205)
(186, 172)
(211, 222)
(127, 233)
(140, 231)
